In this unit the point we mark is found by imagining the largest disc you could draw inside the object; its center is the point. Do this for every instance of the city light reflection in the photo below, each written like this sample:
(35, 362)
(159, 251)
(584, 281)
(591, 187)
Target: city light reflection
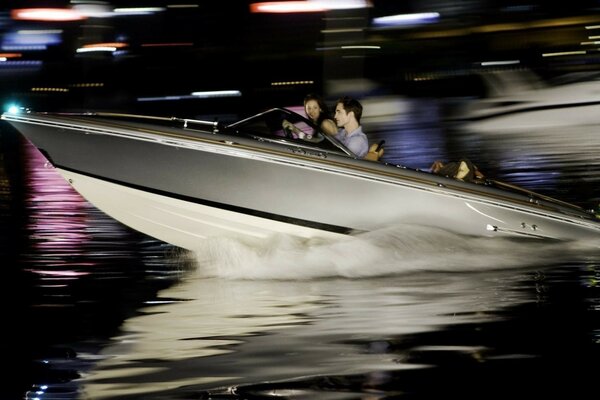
(47, 14)
(31, 39)
(96, 49)
(58, 222)
(307, 6)
(407, 19)
(275, 51)
(138, 10)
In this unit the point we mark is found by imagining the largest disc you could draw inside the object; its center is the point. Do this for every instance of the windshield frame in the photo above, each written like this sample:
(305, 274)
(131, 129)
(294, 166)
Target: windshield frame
(266, 126)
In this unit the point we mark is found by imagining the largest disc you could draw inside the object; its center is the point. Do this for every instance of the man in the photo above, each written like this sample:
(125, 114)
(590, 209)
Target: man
(347, 116)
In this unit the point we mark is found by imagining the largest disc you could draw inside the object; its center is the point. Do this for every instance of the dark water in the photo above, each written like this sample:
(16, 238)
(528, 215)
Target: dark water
(94, 310)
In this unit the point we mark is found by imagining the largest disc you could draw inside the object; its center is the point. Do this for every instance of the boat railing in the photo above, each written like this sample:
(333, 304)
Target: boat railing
(189, 123)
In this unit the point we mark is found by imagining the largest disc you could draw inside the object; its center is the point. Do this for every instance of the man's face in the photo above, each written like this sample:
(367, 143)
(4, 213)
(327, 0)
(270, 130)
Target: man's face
(341, 117)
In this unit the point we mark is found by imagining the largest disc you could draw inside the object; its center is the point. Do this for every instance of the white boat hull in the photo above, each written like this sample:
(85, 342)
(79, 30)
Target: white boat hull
(185, 224)
(175, 221)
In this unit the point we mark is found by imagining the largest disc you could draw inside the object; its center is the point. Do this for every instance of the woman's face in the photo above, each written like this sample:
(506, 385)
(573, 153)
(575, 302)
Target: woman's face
(312, 109)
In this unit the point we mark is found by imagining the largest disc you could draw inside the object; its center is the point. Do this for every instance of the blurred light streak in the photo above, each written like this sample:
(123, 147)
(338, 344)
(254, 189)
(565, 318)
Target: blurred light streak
(307, 6)
(138, 10)
(217, 93)
(494, 63)
(166, 98)
(53, 286)
(98, 10)
(545, 23)
(61, 273)
(39, 31)
(182, 6)
(343, 30)
(564, 53)
(195, 95)
(286, 7)
(360, 47)
(10, 55)
(349, 47)
(117, 45)
(87, 85)
(46, 14)
(49, 89)
(507, 27)
(589, 43)
(21, 64)
(93, 49)
(329, 48)
(593, 27)
(32, 38)
(285, 83)
(407, 19)
(11, 47)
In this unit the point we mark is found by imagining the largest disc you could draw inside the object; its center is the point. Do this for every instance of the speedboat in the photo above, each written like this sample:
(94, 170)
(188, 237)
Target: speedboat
(520, 102)
(183, 181)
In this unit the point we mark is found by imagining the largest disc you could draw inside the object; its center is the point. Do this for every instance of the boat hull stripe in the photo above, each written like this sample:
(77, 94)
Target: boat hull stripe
(222, 206)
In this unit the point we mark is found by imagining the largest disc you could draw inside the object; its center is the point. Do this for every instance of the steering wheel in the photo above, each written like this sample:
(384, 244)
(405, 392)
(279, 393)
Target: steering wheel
(288, 132)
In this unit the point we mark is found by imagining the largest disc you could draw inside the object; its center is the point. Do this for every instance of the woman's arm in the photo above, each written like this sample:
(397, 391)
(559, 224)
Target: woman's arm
(329, 127)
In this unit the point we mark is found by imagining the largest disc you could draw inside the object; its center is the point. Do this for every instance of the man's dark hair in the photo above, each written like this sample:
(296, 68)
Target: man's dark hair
(351, 104)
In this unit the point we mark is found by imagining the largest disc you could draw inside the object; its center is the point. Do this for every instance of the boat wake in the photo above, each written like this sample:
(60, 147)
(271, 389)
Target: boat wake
(377, 253)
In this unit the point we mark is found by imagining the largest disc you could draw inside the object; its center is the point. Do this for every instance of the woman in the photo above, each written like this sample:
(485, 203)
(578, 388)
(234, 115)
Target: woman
(318, 112)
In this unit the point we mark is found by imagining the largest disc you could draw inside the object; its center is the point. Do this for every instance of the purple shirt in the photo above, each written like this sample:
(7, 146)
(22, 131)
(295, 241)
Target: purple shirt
(356, 141)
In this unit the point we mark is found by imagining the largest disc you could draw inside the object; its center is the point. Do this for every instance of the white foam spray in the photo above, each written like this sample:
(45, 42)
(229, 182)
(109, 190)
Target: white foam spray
(394, 250)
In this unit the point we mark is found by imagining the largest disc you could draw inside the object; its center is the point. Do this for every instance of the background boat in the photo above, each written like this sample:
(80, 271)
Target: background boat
(520, 101)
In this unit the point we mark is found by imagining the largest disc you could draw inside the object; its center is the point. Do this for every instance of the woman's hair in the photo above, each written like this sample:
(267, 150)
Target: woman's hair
(325, 112)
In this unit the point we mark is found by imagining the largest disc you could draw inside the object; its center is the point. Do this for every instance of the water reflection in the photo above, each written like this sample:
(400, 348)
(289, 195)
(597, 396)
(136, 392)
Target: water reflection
(212, 333)
(344, 338)
(68, 238)
(68, 268)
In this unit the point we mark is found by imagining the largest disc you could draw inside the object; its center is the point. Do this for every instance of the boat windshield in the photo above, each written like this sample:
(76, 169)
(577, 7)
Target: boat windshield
(280, 125)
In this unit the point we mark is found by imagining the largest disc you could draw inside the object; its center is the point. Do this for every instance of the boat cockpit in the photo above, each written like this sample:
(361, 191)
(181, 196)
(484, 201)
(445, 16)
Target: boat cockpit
(270, 126)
